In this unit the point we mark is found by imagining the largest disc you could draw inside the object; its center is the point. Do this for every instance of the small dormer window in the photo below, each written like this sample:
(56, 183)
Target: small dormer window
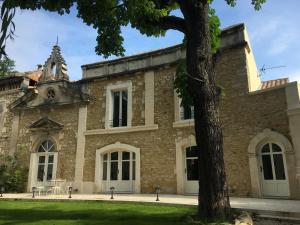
(51, 94)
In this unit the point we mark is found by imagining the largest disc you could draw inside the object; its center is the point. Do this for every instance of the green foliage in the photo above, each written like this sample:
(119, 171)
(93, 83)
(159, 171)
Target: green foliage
(7, 26)
(7, 67)
(180, 84)
(256, 3)
(108, 16)
(13, 175)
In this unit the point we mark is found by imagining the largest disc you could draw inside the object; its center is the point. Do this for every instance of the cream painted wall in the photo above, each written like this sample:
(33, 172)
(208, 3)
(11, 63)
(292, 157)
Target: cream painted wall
(293, 110)
(254, 82)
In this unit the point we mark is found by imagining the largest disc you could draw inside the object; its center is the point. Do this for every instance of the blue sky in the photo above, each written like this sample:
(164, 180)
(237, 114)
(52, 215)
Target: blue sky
(274, 33)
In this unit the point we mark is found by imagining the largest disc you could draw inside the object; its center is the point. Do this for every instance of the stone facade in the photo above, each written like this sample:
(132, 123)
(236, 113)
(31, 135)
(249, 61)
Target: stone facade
(77, 118)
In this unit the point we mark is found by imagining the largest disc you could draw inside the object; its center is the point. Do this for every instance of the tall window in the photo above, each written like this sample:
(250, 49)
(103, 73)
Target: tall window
(45, 161)
(119, 108)
(186, 112)
(273, 167)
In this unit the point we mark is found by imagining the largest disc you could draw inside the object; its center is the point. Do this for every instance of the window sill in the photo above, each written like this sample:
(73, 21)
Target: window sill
(184, 123)
(117, 130)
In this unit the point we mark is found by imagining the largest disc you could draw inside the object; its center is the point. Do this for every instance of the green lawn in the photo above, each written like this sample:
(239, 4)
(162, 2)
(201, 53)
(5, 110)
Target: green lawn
(84, 212)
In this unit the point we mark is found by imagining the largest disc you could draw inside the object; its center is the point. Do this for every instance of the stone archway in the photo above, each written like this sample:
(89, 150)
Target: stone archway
(43, 162)
(254, 148)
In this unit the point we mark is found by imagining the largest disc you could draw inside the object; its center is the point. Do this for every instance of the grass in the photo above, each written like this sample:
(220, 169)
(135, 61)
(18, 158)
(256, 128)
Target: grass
(89, 212)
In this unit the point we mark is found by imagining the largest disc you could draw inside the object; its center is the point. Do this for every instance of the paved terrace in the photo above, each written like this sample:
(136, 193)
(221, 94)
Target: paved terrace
(278, 206)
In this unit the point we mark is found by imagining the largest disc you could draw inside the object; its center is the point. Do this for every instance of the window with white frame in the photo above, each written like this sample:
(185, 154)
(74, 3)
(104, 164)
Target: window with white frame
(119, 103)
(119, 108)
(186, 111)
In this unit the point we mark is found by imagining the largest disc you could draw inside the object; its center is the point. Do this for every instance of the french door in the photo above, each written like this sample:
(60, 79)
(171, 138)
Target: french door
(191, 185)
(273, 169)
(45, 167)
(119, 171)
(45, 163)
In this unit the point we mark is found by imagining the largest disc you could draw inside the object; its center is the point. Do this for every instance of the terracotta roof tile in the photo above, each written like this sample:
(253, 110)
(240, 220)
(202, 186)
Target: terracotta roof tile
(34, 75)
(274, 83)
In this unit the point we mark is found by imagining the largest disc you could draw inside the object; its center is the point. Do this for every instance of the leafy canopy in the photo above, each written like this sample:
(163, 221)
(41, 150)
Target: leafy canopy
(7, 67)
(150, 17)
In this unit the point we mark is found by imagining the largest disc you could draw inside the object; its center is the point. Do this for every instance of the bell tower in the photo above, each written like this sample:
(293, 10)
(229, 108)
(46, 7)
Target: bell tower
(55, 67)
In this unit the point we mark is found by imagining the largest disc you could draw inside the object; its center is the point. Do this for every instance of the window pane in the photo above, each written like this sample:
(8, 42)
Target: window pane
(41, 159)
(51, 159)
(105, 157)
(125, 170)
(187, 112)
(133, 156)
(279, 167)
(50, 172)
(266, 148)
(116, 108)
(276, 148)
(114, 171)
(125, 155)
(192, 169)
(133, 170)
(191, 152)
(41, 149)
(45, 145)
(124, 108)
(50, 146)
(114, 156)
(104, 175)
(40, 173)
(267, 167)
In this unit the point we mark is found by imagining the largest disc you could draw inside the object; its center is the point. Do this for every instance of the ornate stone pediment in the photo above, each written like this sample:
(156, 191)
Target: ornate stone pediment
(45, 124)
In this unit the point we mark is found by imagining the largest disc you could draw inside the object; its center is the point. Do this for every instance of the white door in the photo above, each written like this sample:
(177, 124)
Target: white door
(273, 169)
(45, 163)
(191, 185)
(119, 171)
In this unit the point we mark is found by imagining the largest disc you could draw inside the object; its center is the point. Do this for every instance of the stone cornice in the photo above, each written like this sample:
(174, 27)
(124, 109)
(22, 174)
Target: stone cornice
(117, 130)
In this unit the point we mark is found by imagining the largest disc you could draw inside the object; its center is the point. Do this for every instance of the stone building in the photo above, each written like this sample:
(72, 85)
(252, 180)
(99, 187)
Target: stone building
(122, 124)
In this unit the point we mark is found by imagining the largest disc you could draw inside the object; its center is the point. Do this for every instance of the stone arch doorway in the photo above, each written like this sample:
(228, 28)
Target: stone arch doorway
(43, 163)
(187, 166)
(274, 179)
(118, 166)
(271, 162)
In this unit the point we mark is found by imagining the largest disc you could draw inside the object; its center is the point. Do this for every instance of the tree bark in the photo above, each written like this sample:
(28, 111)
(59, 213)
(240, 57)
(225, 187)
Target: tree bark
(213, 195)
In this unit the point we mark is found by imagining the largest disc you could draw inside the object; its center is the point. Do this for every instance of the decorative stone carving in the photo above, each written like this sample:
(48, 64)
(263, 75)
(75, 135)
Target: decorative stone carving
(55, 67)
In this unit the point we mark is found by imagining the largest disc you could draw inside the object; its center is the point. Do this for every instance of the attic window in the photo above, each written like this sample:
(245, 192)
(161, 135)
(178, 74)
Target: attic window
(51, 94)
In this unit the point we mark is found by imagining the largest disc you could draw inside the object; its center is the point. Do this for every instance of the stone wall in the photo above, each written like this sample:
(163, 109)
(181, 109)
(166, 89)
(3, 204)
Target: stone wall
(65, 139)
(244, 115)
(6, 119)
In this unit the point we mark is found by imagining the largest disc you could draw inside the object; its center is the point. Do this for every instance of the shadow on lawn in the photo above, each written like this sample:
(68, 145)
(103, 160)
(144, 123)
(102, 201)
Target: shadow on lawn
(89, 216)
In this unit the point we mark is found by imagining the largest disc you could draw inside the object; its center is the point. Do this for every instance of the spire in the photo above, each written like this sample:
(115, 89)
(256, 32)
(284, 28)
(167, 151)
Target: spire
(56, 40)
(55, 67)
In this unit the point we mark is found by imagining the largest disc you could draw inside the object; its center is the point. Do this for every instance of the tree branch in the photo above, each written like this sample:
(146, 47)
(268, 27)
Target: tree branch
(172, 22)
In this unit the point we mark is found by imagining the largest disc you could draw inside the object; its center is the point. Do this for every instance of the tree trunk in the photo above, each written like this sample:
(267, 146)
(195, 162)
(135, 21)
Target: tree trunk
(213, 195)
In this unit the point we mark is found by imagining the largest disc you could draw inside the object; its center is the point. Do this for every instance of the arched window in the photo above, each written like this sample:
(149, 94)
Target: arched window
(272, 162)
(45, 161)
(46, 146)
